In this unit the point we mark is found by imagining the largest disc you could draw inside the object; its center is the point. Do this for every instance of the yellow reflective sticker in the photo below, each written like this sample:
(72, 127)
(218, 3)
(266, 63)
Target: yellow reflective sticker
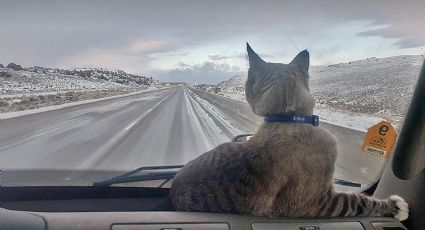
(380, 139)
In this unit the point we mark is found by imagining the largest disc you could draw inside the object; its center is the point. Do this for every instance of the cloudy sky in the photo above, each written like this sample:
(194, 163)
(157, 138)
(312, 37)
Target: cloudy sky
(204, 41)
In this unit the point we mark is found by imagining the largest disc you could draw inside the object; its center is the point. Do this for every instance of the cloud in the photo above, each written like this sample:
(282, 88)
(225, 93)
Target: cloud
(155, 35)
(406, 37)
(149, 47)
(135, 57)
(207, 72)
(106, 59)
(245, 55)
(216, 57)
(182, 65)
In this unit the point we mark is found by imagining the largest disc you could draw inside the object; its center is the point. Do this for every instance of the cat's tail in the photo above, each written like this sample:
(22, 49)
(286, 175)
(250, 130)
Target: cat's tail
(353, 204)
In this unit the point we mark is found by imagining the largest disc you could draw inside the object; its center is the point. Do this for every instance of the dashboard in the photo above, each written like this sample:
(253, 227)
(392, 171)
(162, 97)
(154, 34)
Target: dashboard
(117, 208)
(181, 221)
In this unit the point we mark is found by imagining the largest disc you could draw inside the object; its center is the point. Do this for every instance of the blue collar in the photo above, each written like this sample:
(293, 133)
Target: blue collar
(314, 119)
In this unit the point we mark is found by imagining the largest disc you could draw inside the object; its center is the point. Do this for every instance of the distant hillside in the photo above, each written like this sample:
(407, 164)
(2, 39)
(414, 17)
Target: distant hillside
(113, 75)
(15, 79)
(374, 85)
(234, 85)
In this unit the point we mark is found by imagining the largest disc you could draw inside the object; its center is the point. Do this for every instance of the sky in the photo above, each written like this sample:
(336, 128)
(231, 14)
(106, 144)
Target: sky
(199, 41)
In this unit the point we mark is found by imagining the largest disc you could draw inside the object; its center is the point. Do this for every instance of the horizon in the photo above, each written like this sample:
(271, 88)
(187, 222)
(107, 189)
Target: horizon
(142, 74)
(244, 74)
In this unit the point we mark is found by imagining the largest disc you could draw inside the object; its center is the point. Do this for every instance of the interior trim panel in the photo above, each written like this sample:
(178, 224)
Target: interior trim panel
(181, 221)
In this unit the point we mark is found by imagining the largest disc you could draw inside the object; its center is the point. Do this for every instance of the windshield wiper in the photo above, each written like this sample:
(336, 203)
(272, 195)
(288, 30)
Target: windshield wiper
(167, 175)
(347, 183)
(143, 174)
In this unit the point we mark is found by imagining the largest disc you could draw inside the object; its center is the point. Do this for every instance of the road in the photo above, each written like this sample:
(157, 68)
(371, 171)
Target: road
(106, 138)
(351, 163)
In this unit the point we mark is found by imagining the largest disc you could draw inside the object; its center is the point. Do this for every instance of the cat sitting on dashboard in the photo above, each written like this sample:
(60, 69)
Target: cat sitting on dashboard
(286, 168)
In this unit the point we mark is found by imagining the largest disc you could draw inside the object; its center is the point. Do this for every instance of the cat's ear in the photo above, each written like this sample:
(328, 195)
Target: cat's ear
(254, 59)
(302, 61)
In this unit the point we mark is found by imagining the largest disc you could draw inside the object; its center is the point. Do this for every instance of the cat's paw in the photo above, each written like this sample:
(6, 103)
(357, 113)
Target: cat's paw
(401, 208)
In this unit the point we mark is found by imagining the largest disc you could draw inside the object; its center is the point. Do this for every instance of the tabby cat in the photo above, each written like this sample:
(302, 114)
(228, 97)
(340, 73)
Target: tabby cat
(285, 169)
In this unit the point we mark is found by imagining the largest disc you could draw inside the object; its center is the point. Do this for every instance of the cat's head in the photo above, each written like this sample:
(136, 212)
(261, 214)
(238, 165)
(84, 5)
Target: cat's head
(275, 88)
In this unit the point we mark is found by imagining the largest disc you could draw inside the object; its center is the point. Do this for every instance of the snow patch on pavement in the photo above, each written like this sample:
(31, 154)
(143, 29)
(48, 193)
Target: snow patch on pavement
(217, 114)
(211, 132)
(237, 97)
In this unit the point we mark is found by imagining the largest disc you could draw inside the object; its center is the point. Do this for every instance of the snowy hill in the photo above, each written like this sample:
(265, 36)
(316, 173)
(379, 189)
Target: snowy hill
(233, 88)
(233, 84)
(373, 85)
(16, 79)
(379, 86)
(36, 87)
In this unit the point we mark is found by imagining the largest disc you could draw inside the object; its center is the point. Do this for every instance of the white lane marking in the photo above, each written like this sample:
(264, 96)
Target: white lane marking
(130, 126)
(137, 120)
(99, 153)
(72, 120)
(120, 104)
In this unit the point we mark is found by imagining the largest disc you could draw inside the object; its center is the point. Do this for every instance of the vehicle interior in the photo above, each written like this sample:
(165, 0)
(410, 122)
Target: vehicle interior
(119, 207)
(139, 199)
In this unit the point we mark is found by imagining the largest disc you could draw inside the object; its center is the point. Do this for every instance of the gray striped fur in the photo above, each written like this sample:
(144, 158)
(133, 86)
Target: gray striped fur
(285, 169)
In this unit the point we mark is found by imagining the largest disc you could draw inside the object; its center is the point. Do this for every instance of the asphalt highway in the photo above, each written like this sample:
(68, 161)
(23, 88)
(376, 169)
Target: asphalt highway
(84, 143)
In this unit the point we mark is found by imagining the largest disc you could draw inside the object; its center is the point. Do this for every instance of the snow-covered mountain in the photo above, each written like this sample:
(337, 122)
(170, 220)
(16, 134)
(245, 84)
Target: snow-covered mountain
(233, 88)
(235, 84)
(373, 85)
(380, 86)
(112, 75)
(15, 79)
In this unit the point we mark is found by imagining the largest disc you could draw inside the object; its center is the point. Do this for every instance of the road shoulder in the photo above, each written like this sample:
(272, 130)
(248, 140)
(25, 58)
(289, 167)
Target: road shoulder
(8, 115)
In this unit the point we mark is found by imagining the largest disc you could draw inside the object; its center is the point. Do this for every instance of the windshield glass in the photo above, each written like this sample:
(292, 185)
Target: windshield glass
(90, 90)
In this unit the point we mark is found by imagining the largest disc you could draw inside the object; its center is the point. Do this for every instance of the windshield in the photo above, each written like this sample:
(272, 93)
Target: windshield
(90, 90)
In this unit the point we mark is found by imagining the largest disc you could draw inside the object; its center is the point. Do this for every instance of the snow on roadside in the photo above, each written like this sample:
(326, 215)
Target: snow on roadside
(359, 122)
(40, 79)
(7, 115)
(36, 87)
(43, 93)
(217, 114)
(356, 94)
(355, 121)
(26, 81)
(213, 135)
(237, 97)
